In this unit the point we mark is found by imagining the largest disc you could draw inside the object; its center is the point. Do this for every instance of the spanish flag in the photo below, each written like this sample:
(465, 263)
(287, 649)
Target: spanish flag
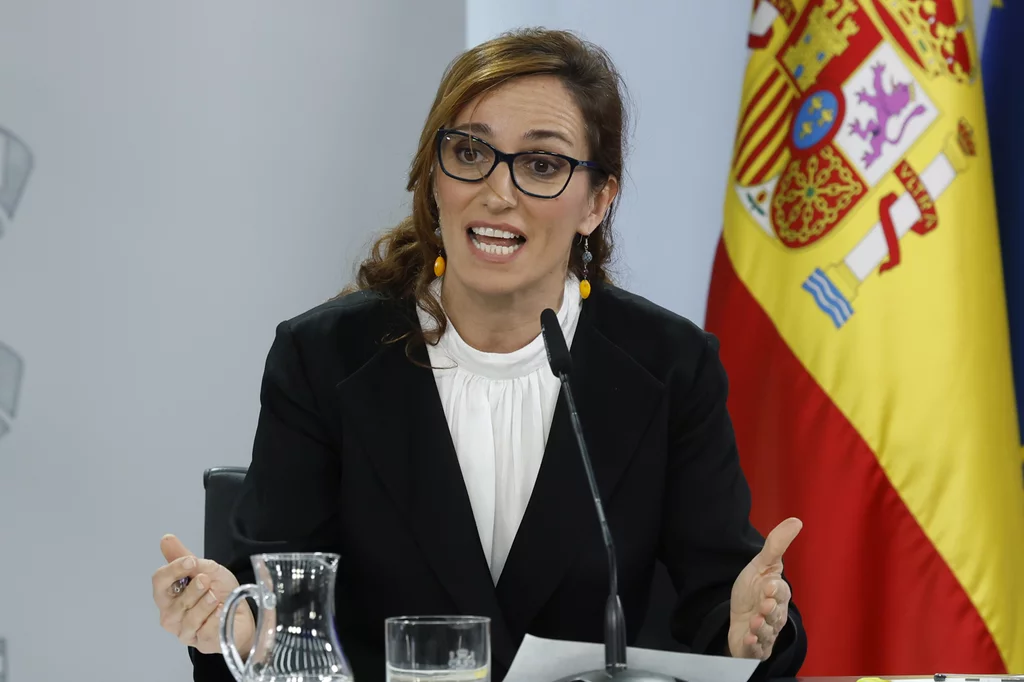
(858, 296)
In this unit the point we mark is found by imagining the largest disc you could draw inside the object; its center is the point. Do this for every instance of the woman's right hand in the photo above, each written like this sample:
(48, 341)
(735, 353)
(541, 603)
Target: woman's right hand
(193, 616)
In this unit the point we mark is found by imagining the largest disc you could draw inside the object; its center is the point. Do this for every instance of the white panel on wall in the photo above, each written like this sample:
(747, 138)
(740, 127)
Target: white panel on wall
(202, 170)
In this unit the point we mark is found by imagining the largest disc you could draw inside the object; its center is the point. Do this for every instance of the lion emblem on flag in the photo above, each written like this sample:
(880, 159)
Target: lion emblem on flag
(888, 106)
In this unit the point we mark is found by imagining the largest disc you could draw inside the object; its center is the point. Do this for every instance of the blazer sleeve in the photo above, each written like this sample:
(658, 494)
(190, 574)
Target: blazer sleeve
(707, 537)
(288, 501)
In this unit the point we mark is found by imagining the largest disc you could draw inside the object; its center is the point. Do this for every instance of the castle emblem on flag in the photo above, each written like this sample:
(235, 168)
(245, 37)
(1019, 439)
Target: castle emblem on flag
(826, 35)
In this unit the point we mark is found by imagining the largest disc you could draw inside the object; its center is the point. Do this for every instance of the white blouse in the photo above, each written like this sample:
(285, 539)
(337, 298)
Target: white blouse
(499, 408)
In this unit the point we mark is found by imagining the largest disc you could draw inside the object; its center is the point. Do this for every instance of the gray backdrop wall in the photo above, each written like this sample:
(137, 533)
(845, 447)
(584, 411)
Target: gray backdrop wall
(201, 170)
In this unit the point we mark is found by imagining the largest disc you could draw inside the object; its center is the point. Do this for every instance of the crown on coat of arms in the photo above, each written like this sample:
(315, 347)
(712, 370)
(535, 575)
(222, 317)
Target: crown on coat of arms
(965, 137)
(959, 147)
(938, 46)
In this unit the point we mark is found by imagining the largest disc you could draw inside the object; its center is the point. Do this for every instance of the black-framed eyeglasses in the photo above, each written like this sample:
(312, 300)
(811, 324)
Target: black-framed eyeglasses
(538, 174)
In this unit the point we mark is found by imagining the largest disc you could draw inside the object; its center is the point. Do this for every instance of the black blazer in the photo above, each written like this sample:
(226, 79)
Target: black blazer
(353, 455)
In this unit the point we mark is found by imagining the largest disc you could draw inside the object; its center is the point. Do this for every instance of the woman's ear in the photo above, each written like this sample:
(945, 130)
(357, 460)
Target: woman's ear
(601, 205)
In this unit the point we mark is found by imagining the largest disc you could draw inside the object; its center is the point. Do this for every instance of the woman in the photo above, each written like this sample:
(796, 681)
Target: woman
(413, 426)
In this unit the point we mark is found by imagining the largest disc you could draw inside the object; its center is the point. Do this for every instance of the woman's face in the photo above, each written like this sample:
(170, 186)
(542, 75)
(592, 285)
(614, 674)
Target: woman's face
(498, 240)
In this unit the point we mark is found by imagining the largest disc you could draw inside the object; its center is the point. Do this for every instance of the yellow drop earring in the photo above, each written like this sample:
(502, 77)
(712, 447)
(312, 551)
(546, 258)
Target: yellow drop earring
(439, 263)
(587, 258)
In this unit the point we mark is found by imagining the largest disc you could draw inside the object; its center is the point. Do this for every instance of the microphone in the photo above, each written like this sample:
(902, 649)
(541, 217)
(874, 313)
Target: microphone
(615, 668)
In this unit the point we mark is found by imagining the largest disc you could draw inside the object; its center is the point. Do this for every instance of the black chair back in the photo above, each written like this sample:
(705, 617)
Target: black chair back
(223, 485)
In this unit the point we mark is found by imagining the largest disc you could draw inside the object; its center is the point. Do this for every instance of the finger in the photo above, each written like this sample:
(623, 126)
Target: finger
(782, 595)
(781, 622)
(754, 626)
(191, 596)
(165, 577)
(777, 616)
(754, 648)
(209, 566)
(172, 548)
(775, 605)
(219, 580)
(778, 542)
(761, 628)
(208, 635)
(776, 588)
(172, 614)
(767, 608)
(766, 635)
(196, 616)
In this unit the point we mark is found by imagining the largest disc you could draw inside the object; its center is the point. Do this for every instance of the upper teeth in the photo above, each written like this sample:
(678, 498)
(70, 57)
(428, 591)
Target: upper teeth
(491, 232)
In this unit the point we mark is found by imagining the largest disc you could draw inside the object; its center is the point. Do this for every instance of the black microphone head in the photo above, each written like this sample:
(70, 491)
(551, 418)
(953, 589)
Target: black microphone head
(554, 341)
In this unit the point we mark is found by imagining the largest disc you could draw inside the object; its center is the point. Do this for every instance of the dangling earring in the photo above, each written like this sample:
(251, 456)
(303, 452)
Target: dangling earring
(587, 258)
(439, 261)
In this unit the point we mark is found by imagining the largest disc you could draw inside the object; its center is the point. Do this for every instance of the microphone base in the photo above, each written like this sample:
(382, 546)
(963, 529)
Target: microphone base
(622, 675)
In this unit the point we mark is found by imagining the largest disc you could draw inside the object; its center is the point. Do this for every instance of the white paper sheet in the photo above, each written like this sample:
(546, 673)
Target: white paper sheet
(547, 660)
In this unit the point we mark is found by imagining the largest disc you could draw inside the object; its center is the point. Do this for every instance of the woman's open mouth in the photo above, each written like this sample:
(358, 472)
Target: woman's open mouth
(495, 242)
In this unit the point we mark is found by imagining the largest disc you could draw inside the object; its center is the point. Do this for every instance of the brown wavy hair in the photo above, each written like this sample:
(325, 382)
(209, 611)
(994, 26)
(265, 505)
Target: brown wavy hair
(400, 264)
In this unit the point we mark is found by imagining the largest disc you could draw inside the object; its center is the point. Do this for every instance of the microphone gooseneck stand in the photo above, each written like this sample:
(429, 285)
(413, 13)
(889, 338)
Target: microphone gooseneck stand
(615, 668)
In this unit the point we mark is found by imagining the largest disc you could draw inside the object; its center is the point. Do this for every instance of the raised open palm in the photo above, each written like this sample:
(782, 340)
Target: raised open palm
(759, 607)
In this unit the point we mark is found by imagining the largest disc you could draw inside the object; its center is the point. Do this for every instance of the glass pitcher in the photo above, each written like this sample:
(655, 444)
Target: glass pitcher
(295, 640)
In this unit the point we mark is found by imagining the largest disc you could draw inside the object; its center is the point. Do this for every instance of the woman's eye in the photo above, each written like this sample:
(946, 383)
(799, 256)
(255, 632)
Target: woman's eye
(468, 155)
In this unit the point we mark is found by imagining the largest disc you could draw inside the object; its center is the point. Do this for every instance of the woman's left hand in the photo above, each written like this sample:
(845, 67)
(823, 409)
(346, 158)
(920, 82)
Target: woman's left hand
(759, 606)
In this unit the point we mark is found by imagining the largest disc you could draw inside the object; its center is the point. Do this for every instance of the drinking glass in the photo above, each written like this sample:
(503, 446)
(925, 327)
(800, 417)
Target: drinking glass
(438, 648)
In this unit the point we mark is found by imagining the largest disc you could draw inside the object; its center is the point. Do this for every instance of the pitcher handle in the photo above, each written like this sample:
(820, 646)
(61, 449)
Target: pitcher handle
(239, 668)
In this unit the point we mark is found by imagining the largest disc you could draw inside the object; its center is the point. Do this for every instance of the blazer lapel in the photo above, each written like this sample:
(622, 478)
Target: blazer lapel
(395, 406)
(615, 398)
